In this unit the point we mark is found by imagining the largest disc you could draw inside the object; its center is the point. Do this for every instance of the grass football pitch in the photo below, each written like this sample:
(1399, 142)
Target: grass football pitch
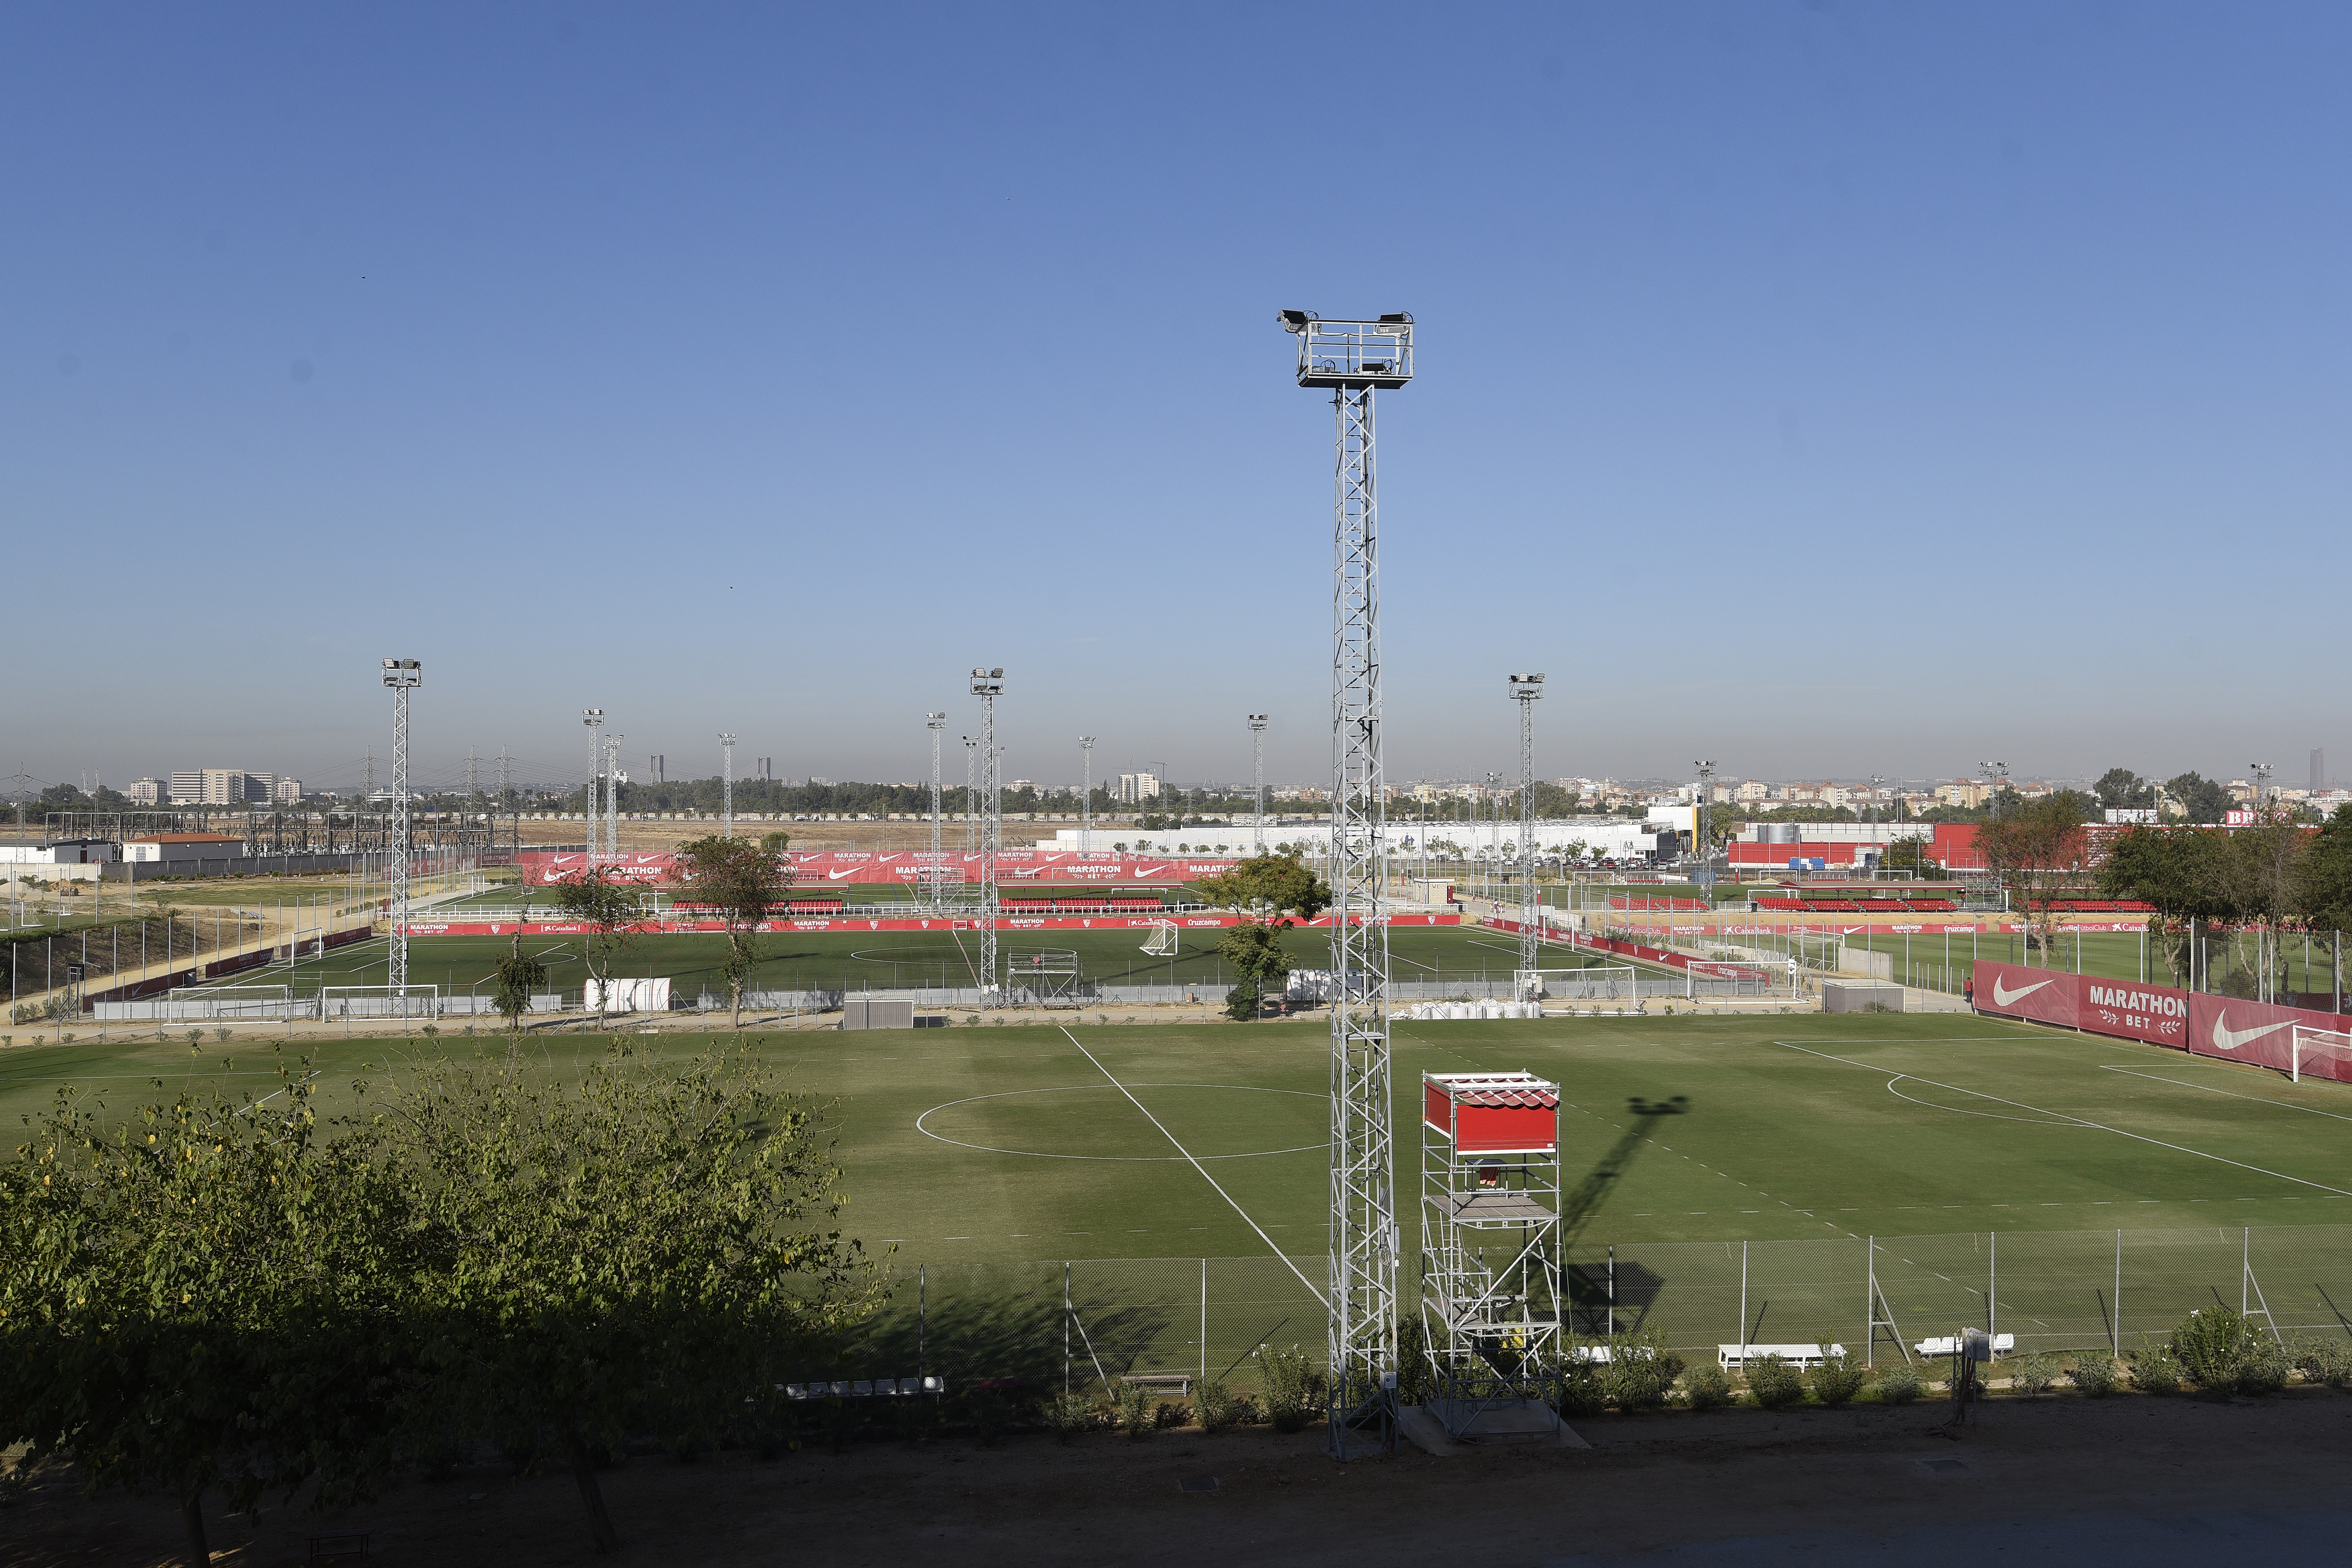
(1730, 1167)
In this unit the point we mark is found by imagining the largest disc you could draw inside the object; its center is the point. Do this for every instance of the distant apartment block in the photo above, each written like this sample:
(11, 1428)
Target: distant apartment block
(148, 791)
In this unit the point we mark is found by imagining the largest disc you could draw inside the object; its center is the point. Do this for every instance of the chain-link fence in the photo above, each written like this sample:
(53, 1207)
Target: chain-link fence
(1090, 1323)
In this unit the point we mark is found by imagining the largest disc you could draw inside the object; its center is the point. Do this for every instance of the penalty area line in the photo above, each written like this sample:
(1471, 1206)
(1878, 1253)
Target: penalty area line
(1196, 1165)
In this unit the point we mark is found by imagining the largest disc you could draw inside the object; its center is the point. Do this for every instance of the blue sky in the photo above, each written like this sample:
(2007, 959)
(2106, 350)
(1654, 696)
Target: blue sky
(1828, 389)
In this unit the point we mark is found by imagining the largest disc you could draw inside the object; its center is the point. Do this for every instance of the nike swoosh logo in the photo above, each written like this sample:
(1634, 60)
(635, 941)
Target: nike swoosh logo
(837, 876)
(2230, 1039)
(2003, 996)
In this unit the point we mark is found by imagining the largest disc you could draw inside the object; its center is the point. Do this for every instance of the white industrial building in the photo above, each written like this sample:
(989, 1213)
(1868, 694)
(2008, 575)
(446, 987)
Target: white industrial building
(1602, 838)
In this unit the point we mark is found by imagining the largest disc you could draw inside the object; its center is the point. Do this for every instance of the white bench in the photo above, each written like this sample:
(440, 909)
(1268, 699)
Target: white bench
(1731, 1357)
(1178, 1383)
(1950, 1344)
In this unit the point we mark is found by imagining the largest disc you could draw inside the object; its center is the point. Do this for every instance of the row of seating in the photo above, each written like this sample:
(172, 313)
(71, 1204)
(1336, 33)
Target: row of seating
(876, 1388)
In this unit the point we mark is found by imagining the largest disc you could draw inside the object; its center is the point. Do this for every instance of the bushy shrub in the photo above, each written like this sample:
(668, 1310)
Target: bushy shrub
(1836, 1377)
(1135, 1409)
(2093, 1372)
(2209, 1347)
(1640, 1372)
(1172, 1412)
(2153, 1370)
(2031, 1376)
(2264, 1367)
(1707, 1387)
(2328, 1361)
(1290, 1382)
(1773, 1382)
(1899, 1384)
(1069, 1416)
(1416, 1384)
(1583, 1389)
(1215, 1403)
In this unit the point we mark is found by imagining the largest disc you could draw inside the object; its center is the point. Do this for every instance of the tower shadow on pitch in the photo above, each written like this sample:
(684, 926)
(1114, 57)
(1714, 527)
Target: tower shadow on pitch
(1592, 1292)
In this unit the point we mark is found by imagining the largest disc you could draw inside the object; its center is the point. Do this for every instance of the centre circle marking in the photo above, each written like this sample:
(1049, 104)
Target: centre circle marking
(1116, 1159)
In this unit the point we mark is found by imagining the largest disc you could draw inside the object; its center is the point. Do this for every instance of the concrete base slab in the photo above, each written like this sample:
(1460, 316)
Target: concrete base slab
(1505, 1421)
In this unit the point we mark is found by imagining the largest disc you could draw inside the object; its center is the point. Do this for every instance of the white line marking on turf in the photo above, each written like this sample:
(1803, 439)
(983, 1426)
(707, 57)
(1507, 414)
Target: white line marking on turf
(1114, 1159)
(2078, 1121)
(1197, 1165)
(2260, 1098)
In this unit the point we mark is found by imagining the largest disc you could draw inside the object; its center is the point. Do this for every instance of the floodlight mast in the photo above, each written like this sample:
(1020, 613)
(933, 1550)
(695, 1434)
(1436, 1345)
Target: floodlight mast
(613, 795)
(1525, 691)
(726, 783)
(404, 676)
(1354, 359)
(589, 810)
(1706, 765)
(1086, 797)
(1257, 782)
(932, 877)
(988, 684)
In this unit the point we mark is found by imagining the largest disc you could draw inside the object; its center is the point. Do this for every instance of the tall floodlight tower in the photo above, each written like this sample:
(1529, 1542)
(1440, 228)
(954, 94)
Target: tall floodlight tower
(1525, 690)
(971, 794)
(2262, 771)
(1706, 765)
(590, 813)
(1258, 782)
(404, 676)
(987, 685)
(1086, 797)
(727, 782)
(1354, 359)
(934, 881)
(613, 795)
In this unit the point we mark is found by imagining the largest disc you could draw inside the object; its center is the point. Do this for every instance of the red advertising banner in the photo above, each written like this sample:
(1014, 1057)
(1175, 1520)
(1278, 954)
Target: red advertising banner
(2224, 1027)
(904, 868)
(2157, 1014)
(2249, 1032)
(2012, 990)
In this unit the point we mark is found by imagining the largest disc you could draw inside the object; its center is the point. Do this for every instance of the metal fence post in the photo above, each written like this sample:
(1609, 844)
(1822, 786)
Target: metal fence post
(1992, 1285)
(2118, 1314)
(1743, 1308)
(1066, 1328)
(1204, 1320)
(922, 1315)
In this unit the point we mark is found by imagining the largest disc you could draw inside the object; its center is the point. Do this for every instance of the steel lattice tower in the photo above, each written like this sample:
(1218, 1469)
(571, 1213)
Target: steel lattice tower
(1258, 780)
(589, 812)
(403, 675)
(971, 795)
(726, 783)
(1525, 690)
(1354, 359)
(613, 795)
(1086, 797)
(933, 877)
(987, 685)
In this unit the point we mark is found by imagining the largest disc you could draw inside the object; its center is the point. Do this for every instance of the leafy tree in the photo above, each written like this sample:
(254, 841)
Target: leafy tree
(520, 975)
(2325, 896)
(2038, 849)
(2182, 871)
(2121, 789)
(202, 1298)
(607, 906)
(2200, 799)
(1273, 881)
(740, 881)
(643, 1247)
(1254, 950)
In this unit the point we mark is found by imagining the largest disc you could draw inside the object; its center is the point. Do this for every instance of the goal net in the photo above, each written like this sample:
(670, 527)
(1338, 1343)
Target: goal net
(1598, 982)
(2321, 1052)
(1163, 939)
(250, 1000)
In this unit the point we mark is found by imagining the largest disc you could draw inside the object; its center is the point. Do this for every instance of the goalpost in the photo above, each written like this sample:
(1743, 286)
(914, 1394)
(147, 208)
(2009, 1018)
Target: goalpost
(1598, 982)
(1163, 939)
(2330, 1047)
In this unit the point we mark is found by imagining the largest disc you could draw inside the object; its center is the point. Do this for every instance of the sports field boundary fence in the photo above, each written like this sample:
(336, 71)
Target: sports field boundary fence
(1085, 1325)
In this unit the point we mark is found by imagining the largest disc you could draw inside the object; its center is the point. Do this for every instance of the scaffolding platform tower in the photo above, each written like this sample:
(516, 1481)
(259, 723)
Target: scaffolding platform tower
(1354, 359)
(1492, 1307)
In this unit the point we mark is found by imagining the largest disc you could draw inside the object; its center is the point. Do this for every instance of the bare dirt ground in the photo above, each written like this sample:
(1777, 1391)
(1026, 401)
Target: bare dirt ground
(2061, 1479)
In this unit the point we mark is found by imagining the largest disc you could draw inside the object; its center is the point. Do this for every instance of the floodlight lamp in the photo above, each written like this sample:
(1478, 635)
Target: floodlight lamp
(1295, 320)
(1397, 318)
(402, 673)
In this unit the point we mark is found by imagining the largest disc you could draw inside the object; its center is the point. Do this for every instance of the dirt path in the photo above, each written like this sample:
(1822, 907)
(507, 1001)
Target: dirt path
(1817, 1485)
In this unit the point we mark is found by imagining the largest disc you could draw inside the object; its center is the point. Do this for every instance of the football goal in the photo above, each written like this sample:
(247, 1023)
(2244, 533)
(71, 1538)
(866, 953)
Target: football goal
(1163, 939)
(2322, 1052)
(1600, 982)
(379, 1001)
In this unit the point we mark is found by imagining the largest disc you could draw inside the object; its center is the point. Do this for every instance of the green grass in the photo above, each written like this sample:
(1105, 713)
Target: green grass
(899, 959)
(969, 1150)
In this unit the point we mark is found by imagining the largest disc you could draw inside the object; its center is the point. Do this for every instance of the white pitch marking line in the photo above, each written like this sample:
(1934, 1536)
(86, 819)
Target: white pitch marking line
(2078, 1121)
(1197, 1165)
(2259, 1099)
